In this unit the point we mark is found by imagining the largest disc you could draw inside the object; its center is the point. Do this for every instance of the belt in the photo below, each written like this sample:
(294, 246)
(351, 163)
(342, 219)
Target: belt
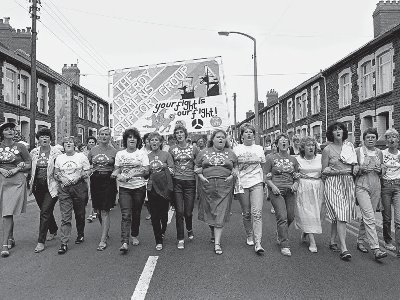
(391, 181)
(102, 172)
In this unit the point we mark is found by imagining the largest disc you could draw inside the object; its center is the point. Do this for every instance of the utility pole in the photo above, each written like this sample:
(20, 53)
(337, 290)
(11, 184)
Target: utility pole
(33, 105)
(234, 116)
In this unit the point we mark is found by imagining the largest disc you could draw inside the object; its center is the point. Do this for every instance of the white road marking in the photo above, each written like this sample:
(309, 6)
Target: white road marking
(144, 280)
(170, 215)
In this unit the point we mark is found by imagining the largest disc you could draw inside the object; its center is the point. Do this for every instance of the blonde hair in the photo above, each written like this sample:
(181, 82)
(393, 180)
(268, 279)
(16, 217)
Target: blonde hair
(391, 131)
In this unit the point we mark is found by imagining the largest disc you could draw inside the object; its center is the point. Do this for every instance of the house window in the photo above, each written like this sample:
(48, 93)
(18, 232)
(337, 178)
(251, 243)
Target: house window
(349, 125)
(269, 118)
(289, 111)
(111, 123)
(92, 111)
(366, 81)
(315, 99)
(10, 86)
(384, 75)
(42, 98)
(24, 91)
(345, 90)
(301, 106)
(80, 103)
(298, 108)
(277, 115)
(81, 134)
(316, 133)
(101, 114)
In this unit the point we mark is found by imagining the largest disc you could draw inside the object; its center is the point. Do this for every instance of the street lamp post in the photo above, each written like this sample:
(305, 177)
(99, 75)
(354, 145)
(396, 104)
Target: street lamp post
(256, 116)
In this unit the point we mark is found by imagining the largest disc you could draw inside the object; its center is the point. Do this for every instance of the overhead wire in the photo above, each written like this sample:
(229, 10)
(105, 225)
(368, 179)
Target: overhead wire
(52, 32)
(88, 44)
(74, 37)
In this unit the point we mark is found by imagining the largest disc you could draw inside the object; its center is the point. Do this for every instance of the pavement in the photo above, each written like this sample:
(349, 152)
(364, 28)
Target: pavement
(193, 273)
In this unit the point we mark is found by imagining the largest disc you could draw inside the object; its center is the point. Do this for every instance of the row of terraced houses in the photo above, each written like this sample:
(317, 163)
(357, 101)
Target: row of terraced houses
(63, 105)
(362, 90)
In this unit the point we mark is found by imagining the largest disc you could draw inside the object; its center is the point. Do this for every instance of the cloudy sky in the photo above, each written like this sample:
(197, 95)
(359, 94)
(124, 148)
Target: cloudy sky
(295, 39)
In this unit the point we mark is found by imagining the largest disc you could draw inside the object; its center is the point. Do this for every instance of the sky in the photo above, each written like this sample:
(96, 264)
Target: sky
(295, 39)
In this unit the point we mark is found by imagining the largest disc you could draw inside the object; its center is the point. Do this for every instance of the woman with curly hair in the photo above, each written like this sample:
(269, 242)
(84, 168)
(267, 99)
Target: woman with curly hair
(215, 166)
(339, 163)
(310, 194)
(251, 162)
(131, 166)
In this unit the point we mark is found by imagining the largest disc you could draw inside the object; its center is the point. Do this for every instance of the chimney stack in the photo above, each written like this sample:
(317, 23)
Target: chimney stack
(249, 114)
(386, 16)
(15, 39)
(272, 97)
(72, 73)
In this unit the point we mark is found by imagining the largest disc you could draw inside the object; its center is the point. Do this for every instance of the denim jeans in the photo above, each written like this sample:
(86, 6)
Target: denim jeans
(131, 203)
(391, 195)
(159, 214)
(251, 203)
(72, 197)
(184, 192)
(284, 205)
(46, 205)
(367, 231)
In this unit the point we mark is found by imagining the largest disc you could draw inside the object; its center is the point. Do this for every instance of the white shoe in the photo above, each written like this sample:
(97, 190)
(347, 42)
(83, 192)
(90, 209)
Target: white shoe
(286, 252)
(250, 241)
(181, 244)
(135, 241)
(272, 210)
(259, 249)
(390, 247)
(313, 249)
(159, 247)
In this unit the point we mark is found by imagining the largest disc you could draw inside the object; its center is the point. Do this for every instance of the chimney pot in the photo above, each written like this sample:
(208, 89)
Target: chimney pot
(7, 20)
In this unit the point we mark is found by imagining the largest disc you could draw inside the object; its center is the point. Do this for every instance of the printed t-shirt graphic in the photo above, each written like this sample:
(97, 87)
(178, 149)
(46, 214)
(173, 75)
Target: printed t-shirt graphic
(131, 164)
(71, 166)
(250, 159)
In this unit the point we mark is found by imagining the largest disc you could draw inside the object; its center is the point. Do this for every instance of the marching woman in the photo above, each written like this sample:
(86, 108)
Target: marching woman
(339, 161)
(281, 171)
(14, 159)
(215, 166)
(159, 187)
(131, 165)
(310, 194)
(102, 185)
(44, 185)
(251, 162)
(391, 190)
(368, 192)
(91, 141)
(183, 155)
(71, 171)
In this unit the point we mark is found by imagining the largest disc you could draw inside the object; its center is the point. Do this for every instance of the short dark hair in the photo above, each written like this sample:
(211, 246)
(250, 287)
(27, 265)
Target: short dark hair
(44, 132)
(132, 132)
(211, 142)
(243, 129)
(370, 130)
(180, 127)
(303, 143)
(146, 136)
(91, 138)
(279, 136)
(154, 134)
(9, 125)
(331, 127)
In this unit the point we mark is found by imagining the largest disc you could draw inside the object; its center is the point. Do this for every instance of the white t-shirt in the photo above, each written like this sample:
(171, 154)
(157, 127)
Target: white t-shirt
(130, 164)
(392, 162)
(249, 161)
(71, 166)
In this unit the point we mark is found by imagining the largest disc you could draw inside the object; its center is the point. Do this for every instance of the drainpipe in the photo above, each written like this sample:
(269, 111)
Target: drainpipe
(326, 103)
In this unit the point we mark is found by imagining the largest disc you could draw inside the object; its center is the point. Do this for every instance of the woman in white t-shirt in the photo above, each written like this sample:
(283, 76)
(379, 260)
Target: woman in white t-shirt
(251, 161)
(131, 166)
(391, 189)
(71, 170)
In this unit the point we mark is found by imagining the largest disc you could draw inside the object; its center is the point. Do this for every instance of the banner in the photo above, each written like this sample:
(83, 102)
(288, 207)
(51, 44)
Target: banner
(159, 97)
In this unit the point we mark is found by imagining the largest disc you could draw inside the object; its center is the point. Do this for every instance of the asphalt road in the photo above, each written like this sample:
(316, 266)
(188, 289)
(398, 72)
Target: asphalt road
(193, 273)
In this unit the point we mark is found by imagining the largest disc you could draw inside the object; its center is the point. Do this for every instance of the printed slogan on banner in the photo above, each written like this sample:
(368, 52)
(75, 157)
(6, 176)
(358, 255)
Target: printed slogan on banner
(158, 97)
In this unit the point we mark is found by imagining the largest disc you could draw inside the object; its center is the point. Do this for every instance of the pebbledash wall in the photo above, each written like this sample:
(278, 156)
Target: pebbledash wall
(362, 90)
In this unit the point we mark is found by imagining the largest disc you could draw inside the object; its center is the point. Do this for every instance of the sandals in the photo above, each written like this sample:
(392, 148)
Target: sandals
(362, 248)
(217, 249)
(379, 254)
(5, 253)
(334, 247)
(102, 246)
(345, 255)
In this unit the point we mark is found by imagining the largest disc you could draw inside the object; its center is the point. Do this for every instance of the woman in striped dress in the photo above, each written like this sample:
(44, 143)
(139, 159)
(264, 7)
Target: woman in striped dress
(339, 161)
